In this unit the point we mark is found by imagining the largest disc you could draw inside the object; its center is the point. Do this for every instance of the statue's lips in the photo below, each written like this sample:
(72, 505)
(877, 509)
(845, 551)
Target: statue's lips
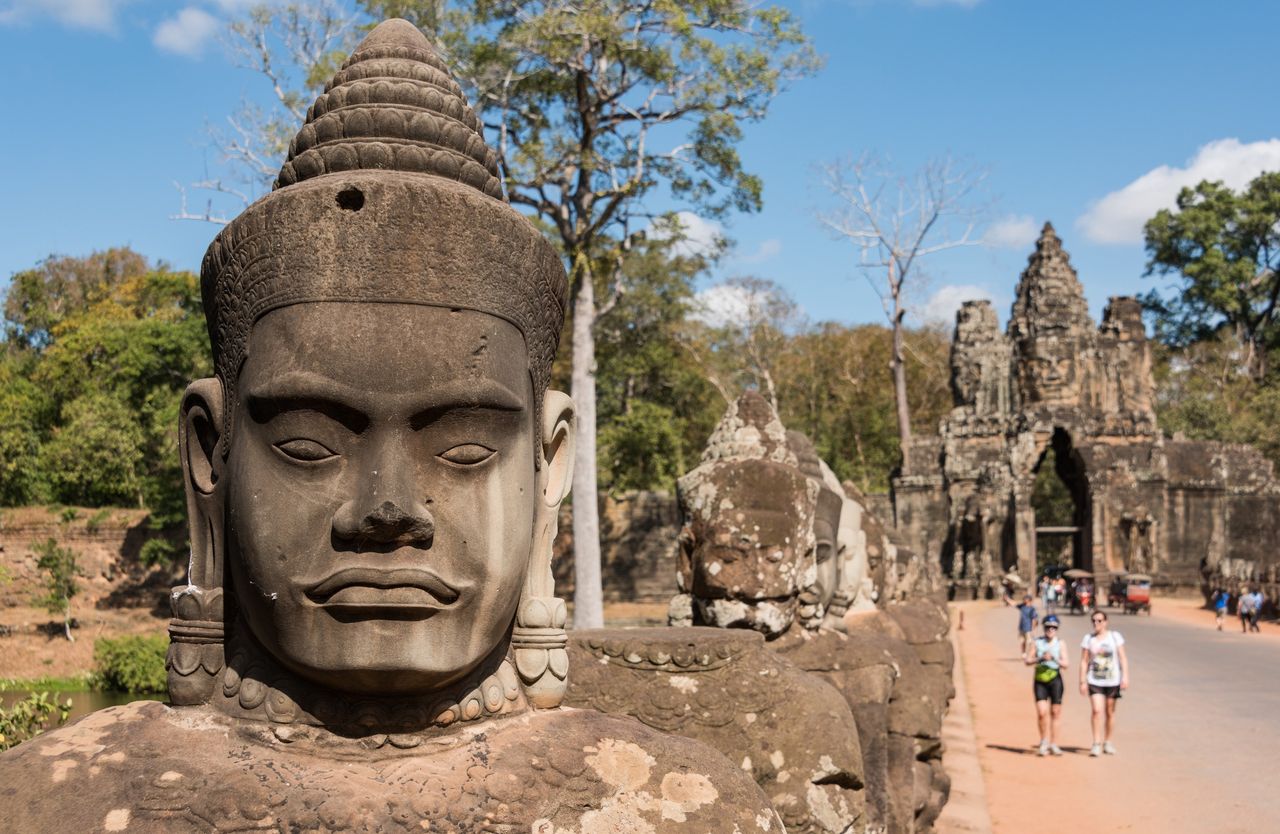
(383, 588)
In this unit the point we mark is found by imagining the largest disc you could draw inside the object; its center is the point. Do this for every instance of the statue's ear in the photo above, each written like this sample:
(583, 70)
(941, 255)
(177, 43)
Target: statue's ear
(558, 433)
(200, 428)
(196, 632)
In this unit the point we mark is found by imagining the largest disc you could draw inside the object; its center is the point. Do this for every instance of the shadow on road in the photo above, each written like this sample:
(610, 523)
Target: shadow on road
(1031, 751)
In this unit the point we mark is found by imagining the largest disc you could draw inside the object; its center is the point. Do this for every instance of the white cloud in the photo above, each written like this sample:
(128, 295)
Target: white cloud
(187, 33)
(83, 14)
(768, 248)
(698, 235)
(942, 305)
(1119, 216)
(724, 303)
(1012, 232)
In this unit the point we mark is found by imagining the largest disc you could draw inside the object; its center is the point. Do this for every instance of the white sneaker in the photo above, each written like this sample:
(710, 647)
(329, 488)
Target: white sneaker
(1109, 748)
(1095, 750)
(1055, 749)
(1043, 749)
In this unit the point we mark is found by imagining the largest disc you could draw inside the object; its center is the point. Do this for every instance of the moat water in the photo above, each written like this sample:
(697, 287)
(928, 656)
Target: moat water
(82, 703)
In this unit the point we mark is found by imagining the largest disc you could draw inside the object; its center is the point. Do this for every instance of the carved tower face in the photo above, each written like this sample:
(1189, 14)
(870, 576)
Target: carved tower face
(379, 490)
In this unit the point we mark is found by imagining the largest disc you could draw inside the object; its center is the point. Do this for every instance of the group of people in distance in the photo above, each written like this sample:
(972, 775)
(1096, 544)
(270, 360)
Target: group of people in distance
(1104, 674)
(1249, 604)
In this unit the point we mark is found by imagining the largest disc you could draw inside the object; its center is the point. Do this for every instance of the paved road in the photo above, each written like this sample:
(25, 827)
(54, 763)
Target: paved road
(1198, 732)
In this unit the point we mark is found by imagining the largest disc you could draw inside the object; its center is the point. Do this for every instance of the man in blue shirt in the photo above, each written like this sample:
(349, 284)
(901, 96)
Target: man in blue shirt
(1027, 619)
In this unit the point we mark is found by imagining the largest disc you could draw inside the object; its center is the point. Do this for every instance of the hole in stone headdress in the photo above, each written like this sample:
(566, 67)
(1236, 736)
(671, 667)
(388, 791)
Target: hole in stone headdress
(350, 199)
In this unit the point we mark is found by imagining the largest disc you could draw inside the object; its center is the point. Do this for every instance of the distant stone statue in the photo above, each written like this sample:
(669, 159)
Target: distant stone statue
(369, 640)
(748, 559)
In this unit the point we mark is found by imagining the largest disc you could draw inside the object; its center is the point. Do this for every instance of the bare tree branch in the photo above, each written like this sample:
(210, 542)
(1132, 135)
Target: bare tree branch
(931, 211)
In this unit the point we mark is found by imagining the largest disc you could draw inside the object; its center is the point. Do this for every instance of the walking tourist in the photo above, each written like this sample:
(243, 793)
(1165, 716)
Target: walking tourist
(1256, 600)
(1027, 617)
(1050, 596)
(1244, 608)
(1050, 661)
(1221, 599)
(1104, 674)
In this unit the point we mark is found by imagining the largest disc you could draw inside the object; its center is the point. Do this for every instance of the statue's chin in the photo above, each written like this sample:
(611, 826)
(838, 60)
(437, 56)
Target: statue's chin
(769, 617)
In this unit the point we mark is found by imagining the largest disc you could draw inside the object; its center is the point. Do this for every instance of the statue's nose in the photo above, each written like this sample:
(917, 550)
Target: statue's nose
(386, 524)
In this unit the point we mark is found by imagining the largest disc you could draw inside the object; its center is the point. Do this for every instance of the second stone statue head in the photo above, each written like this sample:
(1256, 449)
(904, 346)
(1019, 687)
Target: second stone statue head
(375, 470)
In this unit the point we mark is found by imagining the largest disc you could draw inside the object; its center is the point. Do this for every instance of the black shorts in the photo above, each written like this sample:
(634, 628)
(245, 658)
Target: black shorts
(1108, 691)
(1050, 691)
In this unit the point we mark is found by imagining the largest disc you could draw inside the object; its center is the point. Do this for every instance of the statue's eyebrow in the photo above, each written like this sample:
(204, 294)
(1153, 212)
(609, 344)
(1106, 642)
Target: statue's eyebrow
(306, 392)
(484, 394)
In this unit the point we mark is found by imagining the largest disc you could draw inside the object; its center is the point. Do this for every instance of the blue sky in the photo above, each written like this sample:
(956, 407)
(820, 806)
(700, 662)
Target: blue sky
(1088, 114)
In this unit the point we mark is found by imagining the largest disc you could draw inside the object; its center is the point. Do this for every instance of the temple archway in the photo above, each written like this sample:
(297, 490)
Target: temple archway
(1060, 504)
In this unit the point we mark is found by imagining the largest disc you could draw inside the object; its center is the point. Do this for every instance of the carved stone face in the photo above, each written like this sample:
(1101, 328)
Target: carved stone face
(380, 490)
(747, 548)
(826, 525)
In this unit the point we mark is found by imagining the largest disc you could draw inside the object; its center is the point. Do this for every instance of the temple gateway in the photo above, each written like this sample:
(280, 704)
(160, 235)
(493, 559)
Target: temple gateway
(1056, 390)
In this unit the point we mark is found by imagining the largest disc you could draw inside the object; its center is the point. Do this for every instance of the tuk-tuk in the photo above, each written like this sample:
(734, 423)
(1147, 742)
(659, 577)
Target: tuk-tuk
(1081, 596)
(1137, 595)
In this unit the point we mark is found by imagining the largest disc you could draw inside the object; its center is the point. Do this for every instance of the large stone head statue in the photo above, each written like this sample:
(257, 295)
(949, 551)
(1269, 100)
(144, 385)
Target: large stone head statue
(374, 472)
(747, 547)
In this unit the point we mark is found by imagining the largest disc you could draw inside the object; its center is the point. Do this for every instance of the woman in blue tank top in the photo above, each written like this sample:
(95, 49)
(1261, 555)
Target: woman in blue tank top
(1047, 655)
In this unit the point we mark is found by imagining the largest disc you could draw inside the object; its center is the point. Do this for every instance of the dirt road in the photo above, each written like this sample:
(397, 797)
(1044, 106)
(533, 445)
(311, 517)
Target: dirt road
(1196, 734)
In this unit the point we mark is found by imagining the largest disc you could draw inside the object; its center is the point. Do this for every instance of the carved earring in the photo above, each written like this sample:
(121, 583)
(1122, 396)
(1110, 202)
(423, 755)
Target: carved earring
(197, 631)
(538, 640)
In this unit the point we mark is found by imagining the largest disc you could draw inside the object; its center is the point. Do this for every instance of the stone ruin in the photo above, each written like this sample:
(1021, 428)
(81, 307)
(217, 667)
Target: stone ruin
(1186, 512)
(772, 543)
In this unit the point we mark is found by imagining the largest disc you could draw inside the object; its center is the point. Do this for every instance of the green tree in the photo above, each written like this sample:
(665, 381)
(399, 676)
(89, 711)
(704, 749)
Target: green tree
(95, 457)
(25, 414)
(102, 394)
(133, 663)
(836, 386)
(656, 408)
(39, 299)
(741, 332)
(1204, 393)
(61, 571)
(1225, 249)
(30, 717)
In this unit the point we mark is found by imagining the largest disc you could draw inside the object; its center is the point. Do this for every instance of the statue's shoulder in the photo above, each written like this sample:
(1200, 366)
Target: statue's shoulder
(85, 776)
(628, 777)
(149, 767)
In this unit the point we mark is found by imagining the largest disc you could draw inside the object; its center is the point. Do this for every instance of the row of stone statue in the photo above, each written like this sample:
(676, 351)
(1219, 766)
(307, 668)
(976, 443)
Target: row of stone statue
(369, 638)
(781, 658)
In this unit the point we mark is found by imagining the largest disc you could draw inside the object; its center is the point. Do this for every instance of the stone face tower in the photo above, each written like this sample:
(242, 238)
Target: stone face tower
(1142, 503)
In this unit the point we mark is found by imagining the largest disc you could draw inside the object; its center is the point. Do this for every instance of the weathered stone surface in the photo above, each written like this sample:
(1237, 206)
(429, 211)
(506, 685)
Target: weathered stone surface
(794, 734)
(147, 767)
(369, 639)
(1177, 509)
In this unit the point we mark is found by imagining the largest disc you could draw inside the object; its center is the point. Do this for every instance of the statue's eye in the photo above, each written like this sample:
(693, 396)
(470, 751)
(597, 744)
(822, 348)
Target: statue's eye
(308, 451)
(468, 454)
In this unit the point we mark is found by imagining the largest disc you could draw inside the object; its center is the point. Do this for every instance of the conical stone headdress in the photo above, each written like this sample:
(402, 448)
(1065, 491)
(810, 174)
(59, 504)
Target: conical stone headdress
(389, 193)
